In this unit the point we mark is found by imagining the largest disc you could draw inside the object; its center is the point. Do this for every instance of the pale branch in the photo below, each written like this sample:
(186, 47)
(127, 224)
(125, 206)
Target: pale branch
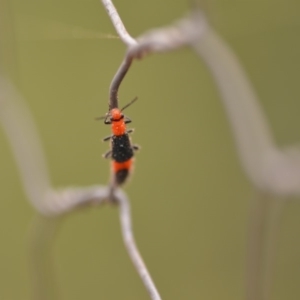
(252, 134)
(117, 80)
(158, 40)
(118, 24)
(182, 33)
(60, 202)
(166, 39)
(129, 241)
(270, 169)
(21, 132)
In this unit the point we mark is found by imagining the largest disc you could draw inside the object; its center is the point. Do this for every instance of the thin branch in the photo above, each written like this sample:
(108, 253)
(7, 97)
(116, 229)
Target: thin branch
(118, 24)
(60, 202)
(127, 40)
(128, 237)
(158, 40)
(117, 80)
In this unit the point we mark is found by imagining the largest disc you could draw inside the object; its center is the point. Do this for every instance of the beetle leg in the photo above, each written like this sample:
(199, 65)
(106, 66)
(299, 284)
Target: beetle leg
(107, 138)
(107, 154)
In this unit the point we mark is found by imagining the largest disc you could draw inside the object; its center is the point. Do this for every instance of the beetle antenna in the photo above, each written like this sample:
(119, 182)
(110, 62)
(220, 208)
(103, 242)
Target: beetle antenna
(131, 102)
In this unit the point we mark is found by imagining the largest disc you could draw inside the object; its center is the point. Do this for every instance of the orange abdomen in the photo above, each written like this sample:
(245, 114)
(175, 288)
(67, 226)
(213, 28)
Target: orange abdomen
(121, 170)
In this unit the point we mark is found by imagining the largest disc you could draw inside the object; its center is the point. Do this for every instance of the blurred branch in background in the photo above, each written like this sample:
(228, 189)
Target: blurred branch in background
(49, 203)
(180, 34)
(274, 172)
(270, 169)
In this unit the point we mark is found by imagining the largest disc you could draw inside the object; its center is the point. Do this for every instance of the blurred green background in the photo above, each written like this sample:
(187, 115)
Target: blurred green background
(189, 195)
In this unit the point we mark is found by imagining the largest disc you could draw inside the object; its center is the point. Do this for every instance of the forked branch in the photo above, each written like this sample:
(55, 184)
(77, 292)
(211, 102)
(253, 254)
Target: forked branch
(169, 38)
